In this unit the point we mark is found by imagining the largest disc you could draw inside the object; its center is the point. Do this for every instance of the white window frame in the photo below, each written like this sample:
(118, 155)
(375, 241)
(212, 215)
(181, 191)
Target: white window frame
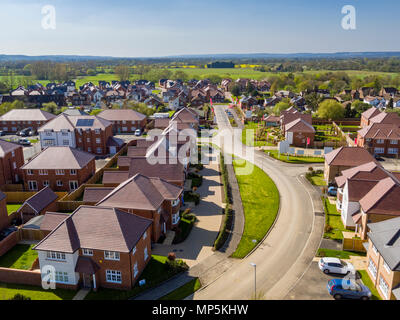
(110, 274)
(145, 235)
(176, 218)
(46, 183)
(60, 172)
(59, 183)
(73, 172)
(393, 141)
(30, 185)
(380, 141)
(133, 251)
(175, 202)
(383, 286)
(145, 254)
(98, 140)
(111, 255)
(56, 256)
(43, 172)
(372, 268)
(87, 252)
(386, 266)
(379, 150)
(75, 184)
(61, 277)
(374, 249)
(29, 172)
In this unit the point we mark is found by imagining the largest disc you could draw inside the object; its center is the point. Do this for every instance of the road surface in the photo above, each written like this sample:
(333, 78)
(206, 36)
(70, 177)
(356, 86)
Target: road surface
(287, 252)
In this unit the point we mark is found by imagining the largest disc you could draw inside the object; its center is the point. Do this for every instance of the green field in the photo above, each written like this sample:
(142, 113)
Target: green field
(260, 199)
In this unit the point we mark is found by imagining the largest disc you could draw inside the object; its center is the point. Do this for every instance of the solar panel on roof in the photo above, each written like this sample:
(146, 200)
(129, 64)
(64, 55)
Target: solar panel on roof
(85, 122)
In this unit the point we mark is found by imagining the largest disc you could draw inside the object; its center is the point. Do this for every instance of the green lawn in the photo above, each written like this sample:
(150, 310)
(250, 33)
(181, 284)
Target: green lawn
(338, 254)
(368, 282)
(293, 159)
(13, 207)
(253, 142)
(7, 291)
(260, 198)
(333, 220)
(318, 180)
(20, 257)
(155, 273)
(183, 291)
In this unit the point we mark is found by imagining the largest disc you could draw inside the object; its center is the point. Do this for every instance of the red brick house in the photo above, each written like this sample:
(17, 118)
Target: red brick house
(154, 199)
(299, 133)
(97, 247)
(366, 116)
(380, 139)
(60, 168)
(4, 221)
(11, 160)
(124, 120)
(88, 133)
(18, 119)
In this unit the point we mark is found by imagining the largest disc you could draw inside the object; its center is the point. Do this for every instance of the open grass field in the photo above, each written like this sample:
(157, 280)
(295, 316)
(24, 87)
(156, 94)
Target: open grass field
(8, 291)
(20, 257)
(260, 199)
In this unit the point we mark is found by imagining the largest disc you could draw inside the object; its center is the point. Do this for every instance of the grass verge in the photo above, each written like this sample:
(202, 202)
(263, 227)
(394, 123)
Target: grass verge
(367, 281)
(293, 159)
(260, 199)
(183, 291)
(338, 254)
(333, 222)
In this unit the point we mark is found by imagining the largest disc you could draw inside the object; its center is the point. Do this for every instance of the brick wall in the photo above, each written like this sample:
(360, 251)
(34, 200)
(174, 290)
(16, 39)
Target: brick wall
(8, 243)
(16, 276)
(8, 174)
(87, 141)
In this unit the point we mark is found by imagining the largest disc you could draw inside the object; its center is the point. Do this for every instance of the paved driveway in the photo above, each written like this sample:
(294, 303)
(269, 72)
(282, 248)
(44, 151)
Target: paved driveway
(312, 286)
(198, 246)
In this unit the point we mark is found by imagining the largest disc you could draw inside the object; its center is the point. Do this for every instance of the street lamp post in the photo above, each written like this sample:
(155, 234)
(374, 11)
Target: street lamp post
(255, 279)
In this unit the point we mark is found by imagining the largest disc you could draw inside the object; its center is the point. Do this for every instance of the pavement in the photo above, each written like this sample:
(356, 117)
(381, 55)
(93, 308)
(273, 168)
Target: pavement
(199, 243)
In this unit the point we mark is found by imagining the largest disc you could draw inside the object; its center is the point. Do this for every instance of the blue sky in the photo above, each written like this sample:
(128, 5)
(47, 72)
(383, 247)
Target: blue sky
(131, 28)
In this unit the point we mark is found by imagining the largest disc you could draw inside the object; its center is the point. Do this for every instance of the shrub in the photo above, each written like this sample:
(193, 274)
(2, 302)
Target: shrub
(175, 266)
(19, 296)
(311, 169)
(171, 256)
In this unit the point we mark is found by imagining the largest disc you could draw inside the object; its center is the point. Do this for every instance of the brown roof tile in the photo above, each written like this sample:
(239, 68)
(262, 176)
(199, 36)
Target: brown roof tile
(92, 194)
(122, 114)
(41, 199)
(52, 219)
(348, 157)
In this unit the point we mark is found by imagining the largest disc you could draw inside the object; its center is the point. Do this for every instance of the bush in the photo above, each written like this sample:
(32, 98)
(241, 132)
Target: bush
(175, 266)
(19, 296)
(192, 197)
(225, 229)
(171, 256)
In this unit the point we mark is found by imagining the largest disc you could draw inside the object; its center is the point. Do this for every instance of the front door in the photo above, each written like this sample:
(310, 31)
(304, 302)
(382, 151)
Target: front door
(87, 281)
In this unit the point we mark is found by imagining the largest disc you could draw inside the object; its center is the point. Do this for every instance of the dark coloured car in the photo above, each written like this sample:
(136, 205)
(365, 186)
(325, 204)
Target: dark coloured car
(348, 289)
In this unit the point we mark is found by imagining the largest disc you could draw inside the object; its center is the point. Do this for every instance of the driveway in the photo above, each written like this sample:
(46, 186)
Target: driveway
(198, 246)
(312, 286)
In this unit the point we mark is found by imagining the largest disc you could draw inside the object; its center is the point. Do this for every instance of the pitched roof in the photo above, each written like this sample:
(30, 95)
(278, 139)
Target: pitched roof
(370, 113)
(348, 157)
(299, 125)
(381, 131)
(7, 147)
(51, 220)
(147, 195)
(41, 199)
(27, 115)
(168, 171)
(385, 236)
(66, 122)
(98, 228)
(115, 177)
(96, 194)
(383, 198)
(86, 265)
(371, 171)
(387, 118)
(121, 114)
(53, 158)
(185, 115)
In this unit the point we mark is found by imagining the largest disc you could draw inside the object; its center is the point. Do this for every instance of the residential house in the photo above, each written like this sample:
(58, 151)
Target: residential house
(380, 139)
(96, 247)
(272, 121)
(375, 101)
(366, 116)
(300, 133)
(344, 158)
(38, 204)
(124, 120)
(88, 133)
(155, 199)
(60, 168)
(353, 185)
(383, 257)
(386, 118)
(11, 160)
(4, 221)
(18, 119)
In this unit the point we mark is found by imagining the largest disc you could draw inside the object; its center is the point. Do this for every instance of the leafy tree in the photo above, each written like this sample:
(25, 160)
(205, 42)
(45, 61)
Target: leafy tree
(359, 107)
(123, 72)
(281, 106)
(51, 107)
(235, 90)
(330, 109)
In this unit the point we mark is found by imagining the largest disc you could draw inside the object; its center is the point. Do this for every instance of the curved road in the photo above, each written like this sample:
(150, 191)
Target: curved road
(286, 253)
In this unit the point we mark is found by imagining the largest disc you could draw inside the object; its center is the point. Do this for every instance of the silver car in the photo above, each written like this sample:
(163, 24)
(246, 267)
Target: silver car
(335, 265)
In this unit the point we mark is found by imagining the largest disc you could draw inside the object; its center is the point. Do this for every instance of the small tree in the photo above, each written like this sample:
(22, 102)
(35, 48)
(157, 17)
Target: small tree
(330, 109)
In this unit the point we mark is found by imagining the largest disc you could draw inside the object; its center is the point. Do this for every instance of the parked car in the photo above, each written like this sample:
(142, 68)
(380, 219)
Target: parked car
(378, 157)
(332, 191)
(32, 132)
(24, 142)
(348, 289)
(2, 133)
(335, 265)
(138, 132)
